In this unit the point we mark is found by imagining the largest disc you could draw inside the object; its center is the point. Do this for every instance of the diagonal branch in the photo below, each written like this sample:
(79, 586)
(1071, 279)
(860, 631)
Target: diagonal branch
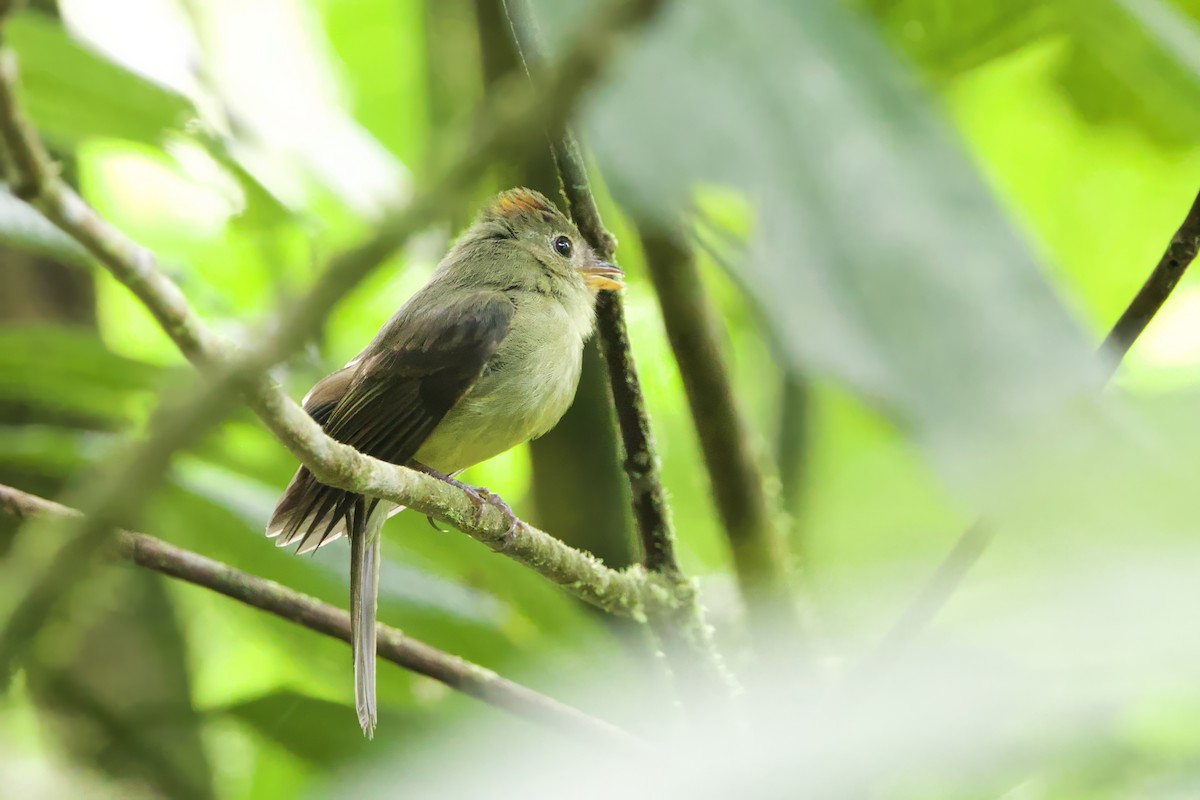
(507, 128)
(457, 673)
(1181, 251)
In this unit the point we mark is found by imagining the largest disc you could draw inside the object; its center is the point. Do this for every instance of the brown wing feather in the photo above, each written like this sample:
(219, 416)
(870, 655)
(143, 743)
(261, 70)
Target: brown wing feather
(401, 387)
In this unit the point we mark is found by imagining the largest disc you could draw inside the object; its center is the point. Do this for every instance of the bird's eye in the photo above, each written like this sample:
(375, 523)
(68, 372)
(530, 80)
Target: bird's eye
(562, 246)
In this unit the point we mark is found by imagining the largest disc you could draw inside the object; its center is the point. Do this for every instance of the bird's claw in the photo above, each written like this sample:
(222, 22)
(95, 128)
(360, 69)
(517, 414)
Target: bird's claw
(481, 496)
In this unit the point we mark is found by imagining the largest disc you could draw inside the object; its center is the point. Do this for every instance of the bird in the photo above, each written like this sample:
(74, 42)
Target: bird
(484, 357)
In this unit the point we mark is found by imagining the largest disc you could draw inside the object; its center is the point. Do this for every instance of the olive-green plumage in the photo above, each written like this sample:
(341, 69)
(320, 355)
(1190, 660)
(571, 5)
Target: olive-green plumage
(484, 357)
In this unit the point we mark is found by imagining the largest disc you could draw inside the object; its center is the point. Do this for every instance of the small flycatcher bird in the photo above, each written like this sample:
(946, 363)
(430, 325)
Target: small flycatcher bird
(484, 357)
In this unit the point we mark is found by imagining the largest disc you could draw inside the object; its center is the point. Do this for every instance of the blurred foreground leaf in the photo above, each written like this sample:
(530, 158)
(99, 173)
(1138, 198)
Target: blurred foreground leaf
(72, 93)
(878, 256)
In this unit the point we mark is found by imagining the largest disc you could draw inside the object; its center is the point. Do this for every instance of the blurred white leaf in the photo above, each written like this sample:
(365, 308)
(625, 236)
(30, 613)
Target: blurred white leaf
(262, 73)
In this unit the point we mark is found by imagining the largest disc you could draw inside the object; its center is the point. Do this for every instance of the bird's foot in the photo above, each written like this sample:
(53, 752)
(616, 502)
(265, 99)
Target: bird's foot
(480, 497)
(483, 496)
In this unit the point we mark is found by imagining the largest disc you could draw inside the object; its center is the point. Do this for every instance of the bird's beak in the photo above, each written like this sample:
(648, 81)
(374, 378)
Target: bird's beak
(602, 275)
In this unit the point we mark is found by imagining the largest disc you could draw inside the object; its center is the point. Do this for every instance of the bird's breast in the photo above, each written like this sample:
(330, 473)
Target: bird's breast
(524, 391)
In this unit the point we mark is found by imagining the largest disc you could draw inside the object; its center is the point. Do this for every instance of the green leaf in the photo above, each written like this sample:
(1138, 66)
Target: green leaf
(321, 731)
(71, 371)
(73, 93)
(1137, 63)
(47, 450)
(948, 38)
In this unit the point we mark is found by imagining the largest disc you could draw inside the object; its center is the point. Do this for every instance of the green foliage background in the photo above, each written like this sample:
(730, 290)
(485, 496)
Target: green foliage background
(1080, 117)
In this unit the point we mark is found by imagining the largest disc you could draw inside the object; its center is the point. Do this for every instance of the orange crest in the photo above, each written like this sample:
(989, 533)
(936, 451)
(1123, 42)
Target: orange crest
(519, 202)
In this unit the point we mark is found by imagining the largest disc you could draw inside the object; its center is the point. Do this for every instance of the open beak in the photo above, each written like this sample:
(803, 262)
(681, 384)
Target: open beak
(602, 275)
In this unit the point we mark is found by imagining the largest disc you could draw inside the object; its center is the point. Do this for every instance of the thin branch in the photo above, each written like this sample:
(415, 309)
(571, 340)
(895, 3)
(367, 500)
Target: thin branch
(457, 673)
(685, 633)
(935, 593)
(735, 477)
(641, 461)
(507, 128)
(1180, 253)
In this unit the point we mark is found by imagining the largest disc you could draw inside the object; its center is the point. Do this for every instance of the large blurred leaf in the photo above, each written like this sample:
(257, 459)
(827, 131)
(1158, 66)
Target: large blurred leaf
(878, 257)
(73, 93)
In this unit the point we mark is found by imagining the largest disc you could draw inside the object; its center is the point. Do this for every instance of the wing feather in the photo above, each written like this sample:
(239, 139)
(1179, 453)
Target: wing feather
(389, 400)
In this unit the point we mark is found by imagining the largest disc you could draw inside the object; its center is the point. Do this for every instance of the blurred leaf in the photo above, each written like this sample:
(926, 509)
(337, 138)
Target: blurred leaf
(948, 37)
(283, 94)
(73, 93)
(1136, 62)
(368, 34)
(321, 731)
(1129, 62)
(70, 370)
(50, 450)
(879, 257)
(262, 210)
(130, 717)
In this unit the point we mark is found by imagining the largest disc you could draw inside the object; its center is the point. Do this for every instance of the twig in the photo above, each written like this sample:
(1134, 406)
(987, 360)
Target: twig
(685, 632)
(1180, 253)
(641, 461)
(734, 473)
(507, 128)
(934, 593)
(457, 673)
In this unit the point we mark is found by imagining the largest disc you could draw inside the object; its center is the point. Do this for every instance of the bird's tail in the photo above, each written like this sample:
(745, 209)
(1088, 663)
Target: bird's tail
(364, 600)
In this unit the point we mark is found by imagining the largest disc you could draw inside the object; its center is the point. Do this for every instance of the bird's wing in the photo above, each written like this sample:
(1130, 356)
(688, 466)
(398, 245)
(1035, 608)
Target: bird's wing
(327, 393)
(388, 402)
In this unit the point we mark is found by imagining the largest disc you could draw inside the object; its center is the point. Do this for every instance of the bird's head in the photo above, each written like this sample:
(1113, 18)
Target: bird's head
(522, 241)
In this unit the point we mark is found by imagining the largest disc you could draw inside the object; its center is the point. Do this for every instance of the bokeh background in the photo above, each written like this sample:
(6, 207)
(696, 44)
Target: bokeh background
(916, 218)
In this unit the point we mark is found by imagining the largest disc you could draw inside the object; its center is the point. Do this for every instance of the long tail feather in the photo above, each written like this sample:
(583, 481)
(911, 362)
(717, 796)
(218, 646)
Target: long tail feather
(364, 600)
